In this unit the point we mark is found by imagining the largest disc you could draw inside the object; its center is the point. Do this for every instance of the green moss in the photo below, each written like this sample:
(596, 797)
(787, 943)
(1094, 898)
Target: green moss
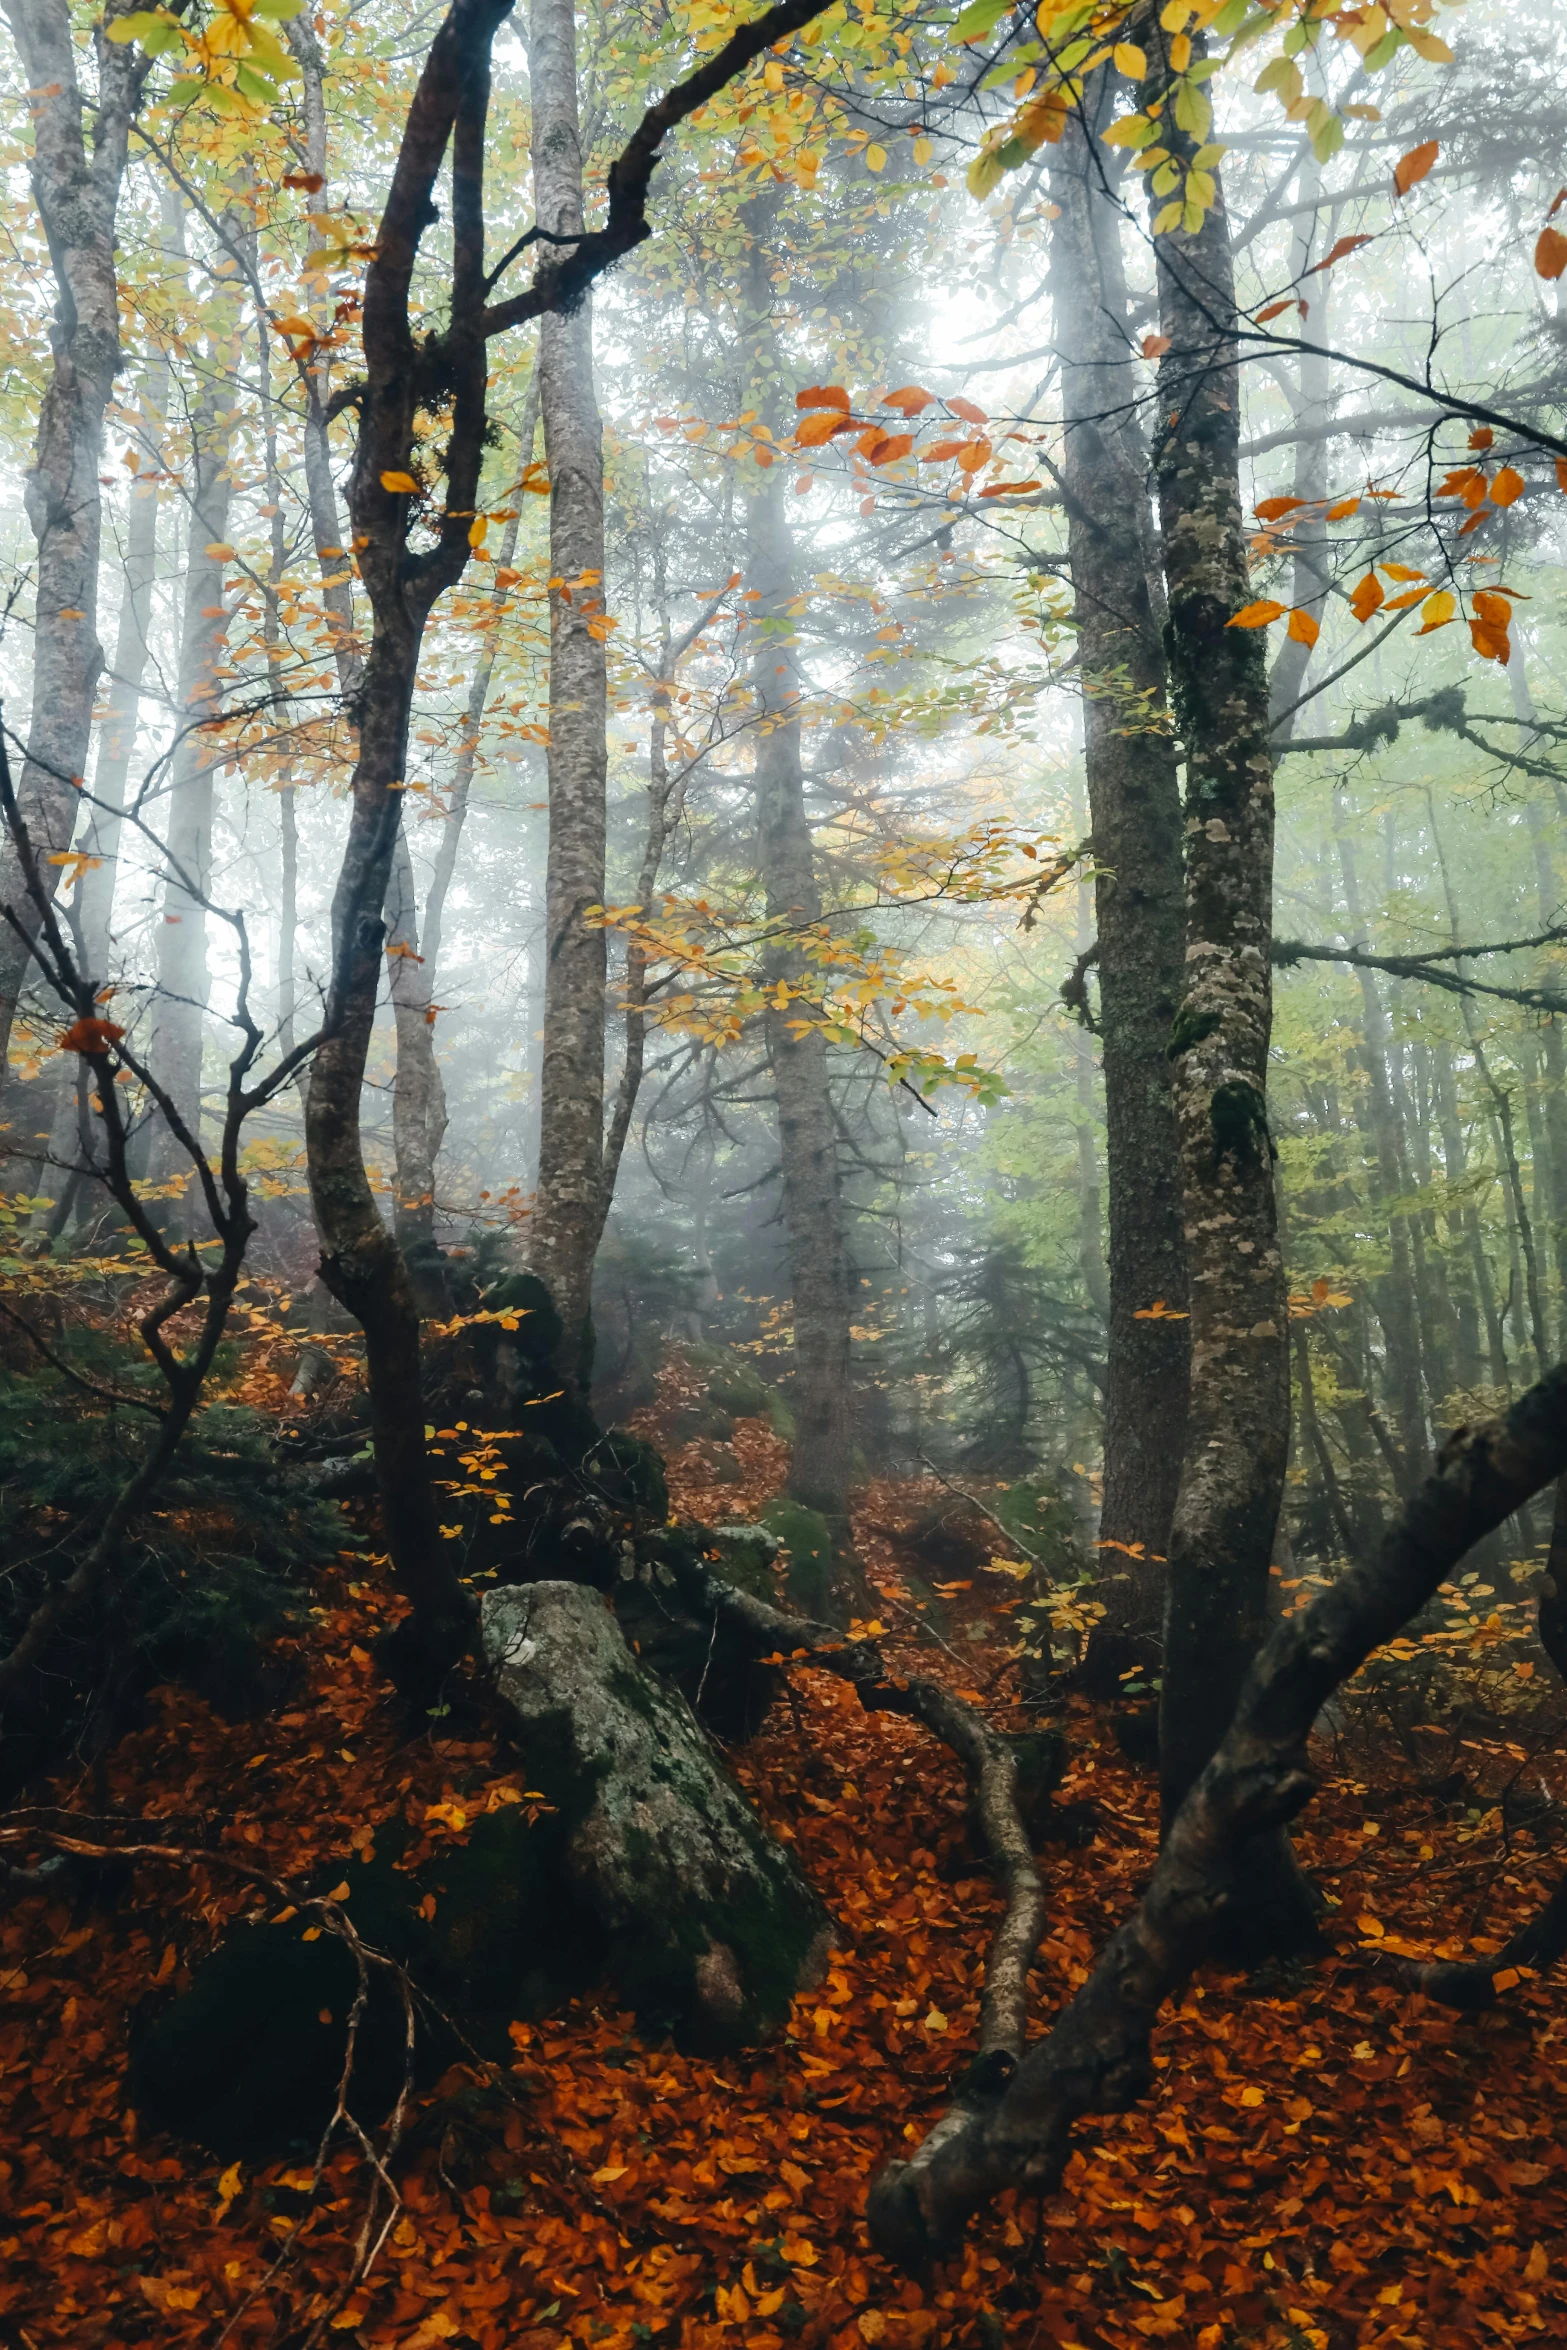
(807, 1540)
(1191, 1027)
(1239, 1119)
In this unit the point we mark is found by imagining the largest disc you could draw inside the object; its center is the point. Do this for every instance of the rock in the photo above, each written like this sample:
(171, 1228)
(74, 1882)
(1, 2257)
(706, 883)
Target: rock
(807, 1538)
(716, 1671)
(709, 1927)
(746, 1556)
(247, 2060)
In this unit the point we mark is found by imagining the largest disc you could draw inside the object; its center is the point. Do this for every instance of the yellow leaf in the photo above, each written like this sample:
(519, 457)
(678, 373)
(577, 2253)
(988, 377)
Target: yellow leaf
(401, 484)
(610, 2172)
(1438, 610)
(1371, 1927)
(219, 550)
(340, 1892)
(229, 2183)
(1129, 59)
(875, 158)
(1256, 615)
(1304, 627)
(935, 2021)
(1252, 2096)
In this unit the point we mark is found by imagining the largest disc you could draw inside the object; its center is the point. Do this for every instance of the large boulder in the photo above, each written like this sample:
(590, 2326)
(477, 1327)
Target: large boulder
(709, 1927)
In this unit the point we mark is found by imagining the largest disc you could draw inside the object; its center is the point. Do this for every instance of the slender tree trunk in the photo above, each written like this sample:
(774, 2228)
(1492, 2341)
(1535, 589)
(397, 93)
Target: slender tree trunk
(99, 839)
(1395, 1293)
(77, 196)
(566, 1217)
(813, 1213)
(1134, 807)
(418, 1095)
(184, 980)
(1237, 1430)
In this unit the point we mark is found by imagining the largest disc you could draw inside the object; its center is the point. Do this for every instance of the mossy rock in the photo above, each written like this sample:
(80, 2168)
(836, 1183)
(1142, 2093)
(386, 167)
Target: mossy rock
(780, 1415)
(748, 1557)
(710, 1929)
(247, 2060)
(807, 1541)
(739, 1389)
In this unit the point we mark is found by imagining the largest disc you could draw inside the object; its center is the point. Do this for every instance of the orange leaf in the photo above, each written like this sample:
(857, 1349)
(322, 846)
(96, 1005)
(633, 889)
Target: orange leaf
(1507, 487)
(1344, 508)
(940, 450)
(1344, 245)
(1304, 626)
(974, 456)
(1481, 437)
(910, 399)
(1365, 597)
(967, 410)
(1413, 167)
(1155, 346)
(1255, 615)
(890, 448)
(1274, 310)
(401, 484)
(822, 396)
(91, 1037)
(811, 433)
(1561, 474)
(1492, 644)
(1550, 253)
(310, 181)
(1270, 509)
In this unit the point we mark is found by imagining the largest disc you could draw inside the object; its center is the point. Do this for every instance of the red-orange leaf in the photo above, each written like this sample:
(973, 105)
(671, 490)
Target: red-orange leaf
(91, 1037)
(1550, 253)
(822, 396)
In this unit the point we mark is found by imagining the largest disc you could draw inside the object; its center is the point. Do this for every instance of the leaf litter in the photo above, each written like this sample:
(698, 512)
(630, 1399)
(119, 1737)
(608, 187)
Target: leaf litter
(1327, 2161)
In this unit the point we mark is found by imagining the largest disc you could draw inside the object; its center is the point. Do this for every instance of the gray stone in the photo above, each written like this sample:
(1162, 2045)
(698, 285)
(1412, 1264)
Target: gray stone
(709, 1925)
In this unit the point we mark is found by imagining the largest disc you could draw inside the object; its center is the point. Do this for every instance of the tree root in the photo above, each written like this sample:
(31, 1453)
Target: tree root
(1095, 2059)
(989, 1758)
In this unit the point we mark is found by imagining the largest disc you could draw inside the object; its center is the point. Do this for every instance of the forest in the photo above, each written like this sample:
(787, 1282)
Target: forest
(783, 1174)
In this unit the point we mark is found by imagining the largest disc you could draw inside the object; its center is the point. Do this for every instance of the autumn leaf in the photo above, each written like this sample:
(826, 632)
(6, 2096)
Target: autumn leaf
(910, 399)
(1343, 247)
(967, 410)
(1256, 615)
(822, 396)
(1438, 610)
(1271, 509)
(1155, 346)
(90, 1037)
(1550, 253)
(1410, 169)
(400, 484)
(1304, 627)
(1366, 596)
(1508, 486)
(1130, 60)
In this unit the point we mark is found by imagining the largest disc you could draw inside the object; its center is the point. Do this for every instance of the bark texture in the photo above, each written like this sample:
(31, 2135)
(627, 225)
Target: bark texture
(567, 1216)
(1237, 1436)
(77, 192)
(1096, 2057)
(1135, 813)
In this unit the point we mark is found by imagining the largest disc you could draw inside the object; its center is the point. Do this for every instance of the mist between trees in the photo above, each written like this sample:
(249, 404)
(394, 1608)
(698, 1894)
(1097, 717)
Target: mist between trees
(782, 976)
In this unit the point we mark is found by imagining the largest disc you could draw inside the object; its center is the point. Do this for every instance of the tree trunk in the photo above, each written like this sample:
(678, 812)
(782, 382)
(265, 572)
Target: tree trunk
(418, 1096)
(813, 1213)
(100, 837)
(1135, 810)
(77, 203)
(179, 1015)
(566, 1217)
(1237, 1430)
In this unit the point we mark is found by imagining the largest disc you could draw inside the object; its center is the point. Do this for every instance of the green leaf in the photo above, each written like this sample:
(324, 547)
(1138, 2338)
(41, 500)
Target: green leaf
(1192, 111)
(1385, 51)
(188, 88)
(1327, 139)
(277, 11)
(150, 26)
(255, 86)
(1229, 19)
(979, 18)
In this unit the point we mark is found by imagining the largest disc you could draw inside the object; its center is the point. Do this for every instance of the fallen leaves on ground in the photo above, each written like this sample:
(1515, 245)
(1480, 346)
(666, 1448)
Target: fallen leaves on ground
(1326, 2160)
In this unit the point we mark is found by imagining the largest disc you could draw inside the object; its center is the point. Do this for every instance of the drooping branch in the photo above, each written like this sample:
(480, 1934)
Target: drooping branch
(1428, 967)
(1096, 2058)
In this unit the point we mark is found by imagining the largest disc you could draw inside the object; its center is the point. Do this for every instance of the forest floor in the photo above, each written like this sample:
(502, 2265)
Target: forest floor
(1326, 2160)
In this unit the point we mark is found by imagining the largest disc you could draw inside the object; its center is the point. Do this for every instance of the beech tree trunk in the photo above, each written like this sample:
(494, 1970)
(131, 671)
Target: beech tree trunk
(99, 838)
(1135, 812)
(566, 1216)
(1237, 1430)
(77, 196)
(184, 980)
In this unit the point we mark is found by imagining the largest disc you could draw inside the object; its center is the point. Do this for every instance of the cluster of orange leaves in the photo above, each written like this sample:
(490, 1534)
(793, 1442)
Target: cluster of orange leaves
(1328, 2161)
